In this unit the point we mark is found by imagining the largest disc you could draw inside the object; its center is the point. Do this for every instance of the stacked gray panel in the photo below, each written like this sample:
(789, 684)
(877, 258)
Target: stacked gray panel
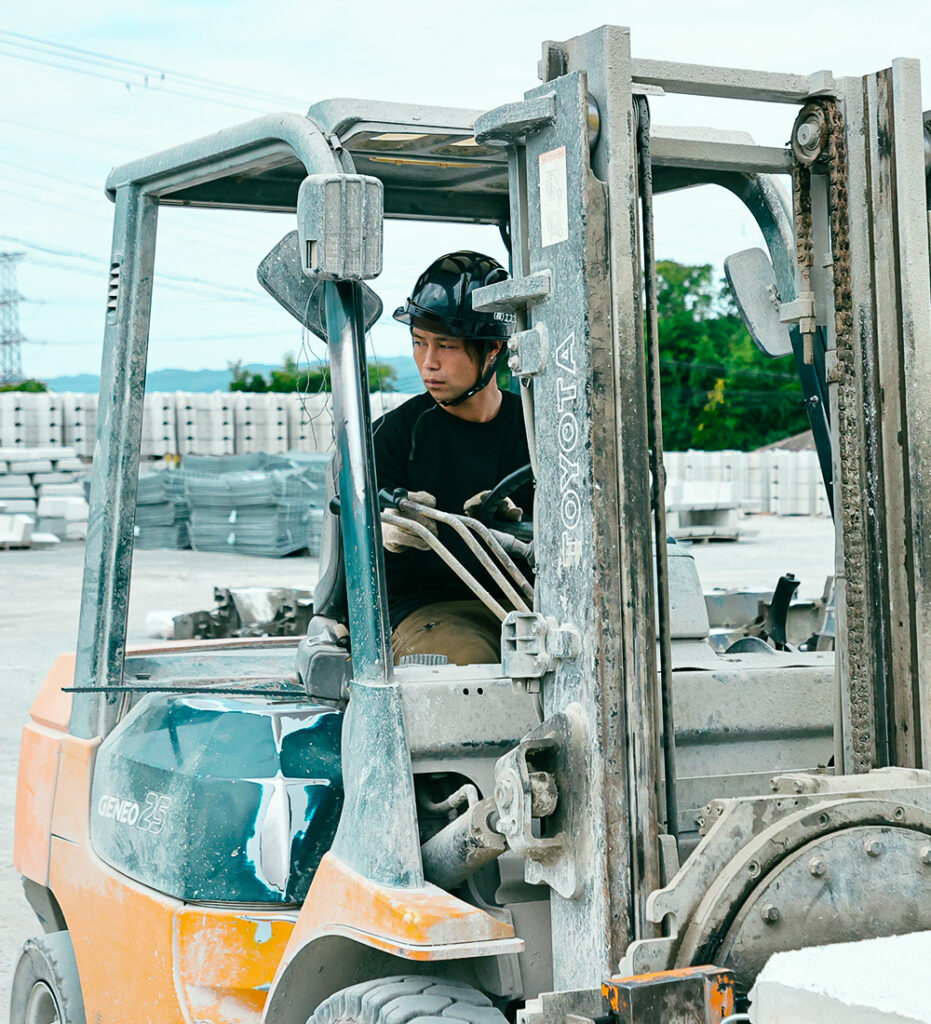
(268, 505)
(162, 511)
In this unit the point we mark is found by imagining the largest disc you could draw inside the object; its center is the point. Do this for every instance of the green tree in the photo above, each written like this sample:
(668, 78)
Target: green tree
(719, 390)
(290, 377)
(29, 384)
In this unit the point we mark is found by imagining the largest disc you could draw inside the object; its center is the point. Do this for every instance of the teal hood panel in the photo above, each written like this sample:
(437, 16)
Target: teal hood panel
(219, 799)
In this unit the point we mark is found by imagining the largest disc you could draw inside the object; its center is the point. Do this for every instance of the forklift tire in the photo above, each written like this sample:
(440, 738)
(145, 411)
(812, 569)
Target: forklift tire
(407, 999)
(46, 986)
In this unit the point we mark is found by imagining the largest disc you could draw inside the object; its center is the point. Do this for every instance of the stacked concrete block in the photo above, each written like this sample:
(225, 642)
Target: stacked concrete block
(222, 423)
(17, 492)
(64, 516)
(205, 423)
(15, 530)
(794, 483)
(29, 420)
(262, 422)
(80, 422)
(159, 436)
(776, 482)
(39, 474)
(703, 509)
(754, 491)
(310, 423)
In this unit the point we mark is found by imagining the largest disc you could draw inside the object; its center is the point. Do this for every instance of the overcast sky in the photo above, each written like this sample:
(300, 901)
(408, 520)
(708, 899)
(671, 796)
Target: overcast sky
(63, 127)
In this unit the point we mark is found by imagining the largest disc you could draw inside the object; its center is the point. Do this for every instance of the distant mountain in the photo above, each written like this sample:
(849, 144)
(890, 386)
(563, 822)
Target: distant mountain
(408, 379)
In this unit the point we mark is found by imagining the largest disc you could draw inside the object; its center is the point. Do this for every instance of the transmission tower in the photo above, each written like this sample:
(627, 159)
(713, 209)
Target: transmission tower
(11, 362)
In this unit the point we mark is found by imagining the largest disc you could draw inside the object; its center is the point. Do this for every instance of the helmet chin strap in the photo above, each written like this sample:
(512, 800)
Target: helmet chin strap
(483, 380)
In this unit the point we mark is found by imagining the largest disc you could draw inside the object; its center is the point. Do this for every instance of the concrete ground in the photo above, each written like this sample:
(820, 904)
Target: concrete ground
(40, 596)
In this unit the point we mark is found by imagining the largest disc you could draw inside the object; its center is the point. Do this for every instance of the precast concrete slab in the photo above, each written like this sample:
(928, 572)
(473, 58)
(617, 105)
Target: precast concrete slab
(876, 981)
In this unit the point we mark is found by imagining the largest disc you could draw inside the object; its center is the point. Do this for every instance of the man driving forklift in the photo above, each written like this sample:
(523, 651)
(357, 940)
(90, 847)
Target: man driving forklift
(448, 448)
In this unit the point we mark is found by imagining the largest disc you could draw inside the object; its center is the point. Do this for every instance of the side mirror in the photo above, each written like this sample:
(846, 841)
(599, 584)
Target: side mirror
(282, 276)
(753, 282)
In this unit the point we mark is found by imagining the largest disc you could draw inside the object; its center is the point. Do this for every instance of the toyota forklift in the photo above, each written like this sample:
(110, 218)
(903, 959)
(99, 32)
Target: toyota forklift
(616, 823)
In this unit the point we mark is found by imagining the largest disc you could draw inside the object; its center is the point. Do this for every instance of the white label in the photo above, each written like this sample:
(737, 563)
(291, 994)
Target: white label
(554, 204)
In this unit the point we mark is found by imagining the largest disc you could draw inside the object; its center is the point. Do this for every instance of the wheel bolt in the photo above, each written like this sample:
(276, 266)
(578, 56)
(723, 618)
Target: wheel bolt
(770, 913)
(925, 855)
(817, 866)
(873, 847)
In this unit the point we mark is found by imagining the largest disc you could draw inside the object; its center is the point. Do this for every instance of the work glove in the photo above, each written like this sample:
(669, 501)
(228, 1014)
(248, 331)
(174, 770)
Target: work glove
(505, 510)
(397, 538)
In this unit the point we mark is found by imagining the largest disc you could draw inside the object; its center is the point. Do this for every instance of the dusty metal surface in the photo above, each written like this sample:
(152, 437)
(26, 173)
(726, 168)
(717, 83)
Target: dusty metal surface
(567, 231)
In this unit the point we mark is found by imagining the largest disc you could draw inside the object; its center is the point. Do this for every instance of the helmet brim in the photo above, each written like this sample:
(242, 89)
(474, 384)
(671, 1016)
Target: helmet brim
(412, 315)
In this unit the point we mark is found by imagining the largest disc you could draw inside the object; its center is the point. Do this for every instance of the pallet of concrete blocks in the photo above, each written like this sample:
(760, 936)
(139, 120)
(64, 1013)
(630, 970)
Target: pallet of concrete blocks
(29, 474)
(262, 422)
(702, 510)
(310, 422)
(258, 504)
(205, 423)
(28, 420)
(159, 436)
(162, 511)
(80, 422)
(65, 517)
(795, 484)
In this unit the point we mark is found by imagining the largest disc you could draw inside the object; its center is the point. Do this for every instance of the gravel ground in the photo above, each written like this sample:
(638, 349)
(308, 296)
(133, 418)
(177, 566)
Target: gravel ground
(40, 596)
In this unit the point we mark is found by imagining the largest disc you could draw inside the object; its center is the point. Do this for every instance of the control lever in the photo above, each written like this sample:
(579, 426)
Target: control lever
(779, 610)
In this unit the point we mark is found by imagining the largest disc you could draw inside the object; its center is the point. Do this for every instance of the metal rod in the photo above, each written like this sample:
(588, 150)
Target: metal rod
(489, 537)
(449, 558)
(657, 469)
(358, 493)
(456, 523)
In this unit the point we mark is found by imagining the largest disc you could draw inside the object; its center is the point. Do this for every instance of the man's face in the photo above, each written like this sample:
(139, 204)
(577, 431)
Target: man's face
(446, 366)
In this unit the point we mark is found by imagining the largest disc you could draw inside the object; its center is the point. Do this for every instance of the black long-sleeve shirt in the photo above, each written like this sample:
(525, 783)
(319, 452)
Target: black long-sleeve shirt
(421, 447)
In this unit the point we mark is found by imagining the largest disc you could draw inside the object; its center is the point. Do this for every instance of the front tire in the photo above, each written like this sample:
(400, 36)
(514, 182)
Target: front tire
(408, 999)
(46, 987)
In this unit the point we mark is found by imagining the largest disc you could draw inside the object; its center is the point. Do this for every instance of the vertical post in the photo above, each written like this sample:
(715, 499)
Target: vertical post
(884, 381)
(358, 491)
(377, 781)
(109, 549)
(592, 525)
(605, 54)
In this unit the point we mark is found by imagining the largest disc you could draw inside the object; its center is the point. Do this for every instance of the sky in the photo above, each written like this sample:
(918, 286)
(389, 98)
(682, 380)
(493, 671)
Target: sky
(70, 113)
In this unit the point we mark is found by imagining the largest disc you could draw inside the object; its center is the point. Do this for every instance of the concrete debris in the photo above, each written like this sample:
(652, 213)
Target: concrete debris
(241, 611)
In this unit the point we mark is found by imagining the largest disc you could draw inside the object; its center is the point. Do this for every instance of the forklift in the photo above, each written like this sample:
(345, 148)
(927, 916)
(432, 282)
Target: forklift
(616, 823)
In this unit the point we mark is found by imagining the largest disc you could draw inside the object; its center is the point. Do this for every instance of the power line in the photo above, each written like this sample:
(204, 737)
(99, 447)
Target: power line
(221, 291)
(138, 150)
(132, 74)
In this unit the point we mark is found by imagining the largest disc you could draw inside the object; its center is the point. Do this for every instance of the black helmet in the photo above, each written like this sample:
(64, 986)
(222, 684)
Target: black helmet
(443, 296)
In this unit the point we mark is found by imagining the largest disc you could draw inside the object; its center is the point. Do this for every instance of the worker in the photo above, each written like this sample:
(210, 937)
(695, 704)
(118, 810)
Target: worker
(448, 448)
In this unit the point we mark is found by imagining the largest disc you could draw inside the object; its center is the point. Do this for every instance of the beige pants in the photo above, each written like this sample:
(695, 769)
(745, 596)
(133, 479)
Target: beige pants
(465, 631)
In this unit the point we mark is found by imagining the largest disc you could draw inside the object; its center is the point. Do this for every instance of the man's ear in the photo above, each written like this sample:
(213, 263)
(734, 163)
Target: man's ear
(495, 346)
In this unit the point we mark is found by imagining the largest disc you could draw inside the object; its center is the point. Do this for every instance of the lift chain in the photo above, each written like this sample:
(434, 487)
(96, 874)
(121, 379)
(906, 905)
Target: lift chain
(833, 157)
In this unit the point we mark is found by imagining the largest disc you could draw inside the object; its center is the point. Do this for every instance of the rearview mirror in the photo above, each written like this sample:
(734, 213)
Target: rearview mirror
(753, 282)
(280, 274)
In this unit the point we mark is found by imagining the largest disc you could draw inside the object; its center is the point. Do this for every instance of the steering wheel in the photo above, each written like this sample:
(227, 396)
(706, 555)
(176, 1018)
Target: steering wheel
(485, 513)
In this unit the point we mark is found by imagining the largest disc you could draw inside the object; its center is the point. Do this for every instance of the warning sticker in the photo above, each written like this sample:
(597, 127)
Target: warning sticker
(554, 205)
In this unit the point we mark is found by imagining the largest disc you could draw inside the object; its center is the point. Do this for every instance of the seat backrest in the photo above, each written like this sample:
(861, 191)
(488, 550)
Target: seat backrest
(330, 592)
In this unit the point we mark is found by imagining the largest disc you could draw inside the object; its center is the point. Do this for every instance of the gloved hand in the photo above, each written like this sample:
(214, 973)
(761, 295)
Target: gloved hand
(505, 510)
(397, 538)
